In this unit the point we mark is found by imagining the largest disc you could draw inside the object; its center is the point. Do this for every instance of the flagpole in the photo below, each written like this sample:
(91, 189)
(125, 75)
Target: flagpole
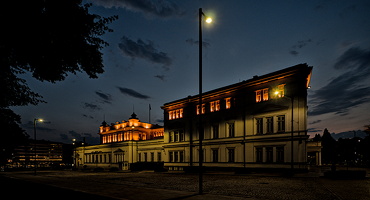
(150, 108)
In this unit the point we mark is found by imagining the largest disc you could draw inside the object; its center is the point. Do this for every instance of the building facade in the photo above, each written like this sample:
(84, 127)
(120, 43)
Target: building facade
(123, 144)
(257, 123)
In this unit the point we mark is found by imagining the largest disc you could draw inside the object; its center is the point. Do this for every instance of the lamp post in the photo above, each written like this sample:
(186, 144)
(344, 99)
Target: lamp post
(34, 145)
(277, 93)
(74, 153)
(200, 122)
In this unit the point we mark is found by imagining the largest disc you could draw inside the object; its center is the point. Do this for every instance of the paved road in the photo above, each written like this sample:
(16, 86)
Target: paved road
(14, 188)
(184, 186)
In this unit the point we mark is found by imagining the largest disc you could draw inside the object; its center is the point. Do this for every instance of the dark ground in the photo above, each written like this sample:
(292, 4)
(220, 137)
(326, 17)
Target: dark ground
(13, 188)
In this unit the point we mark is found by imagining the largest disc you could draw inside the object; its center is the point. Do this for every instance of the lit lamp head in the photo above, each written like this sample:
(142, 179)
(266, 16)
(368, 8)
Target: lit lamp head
(209, 20)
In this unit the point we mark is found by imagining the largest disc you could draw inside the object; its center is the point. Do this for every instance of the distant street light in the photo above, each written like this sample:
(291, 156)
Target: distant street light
(200, 126)
(34, 147)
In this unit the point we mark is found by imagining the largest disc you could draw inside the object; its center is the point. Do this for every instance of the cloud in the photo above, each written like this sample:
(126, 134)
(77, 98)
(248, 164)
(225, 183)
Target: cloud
(346, 90)
(314, 130)
(80, 137)
(299, 45)
(196, 42)
(315, 122)
(107, 98)
(157, 8)
(91, 106)
(132, 93)
(146, 51)
(161, 77)
(294, 52)
(87, 116)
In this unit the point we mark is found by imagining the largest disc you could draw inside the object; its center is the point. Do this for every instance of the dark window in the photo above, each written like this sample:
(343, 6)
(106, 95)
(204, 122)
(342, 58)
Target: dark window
(281, 123)
(181, 156)
(176, 155)
(270, 125)
(269, 154)
(280, 154)
(152, 156)
(259, 154)
(171, 156)
(231, 155)
(159, 156)
(231, 129)
(259, 125)
(215, 131)
(214, 155)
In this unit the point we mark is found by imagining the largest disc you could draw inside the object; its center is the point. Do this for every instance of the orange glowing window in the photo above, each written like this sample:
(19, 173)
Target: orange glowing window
(258, 96)
(228, 103)
(265, 93)
(280, 90)
(181, 112)
(170, 117)
(215, 106)
(262, 95)
(203, 109)
(175, 114)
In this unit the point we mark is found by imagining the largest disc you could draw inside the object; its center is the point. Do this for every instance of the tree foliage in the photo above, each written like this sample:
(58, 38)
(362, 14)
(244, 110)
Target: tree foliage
(49, 39)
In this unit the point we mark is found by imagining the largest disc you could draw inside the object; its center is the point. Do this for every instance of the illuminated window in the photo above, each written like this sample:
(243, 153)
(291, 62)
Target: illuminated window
(228, 102)
(262, 95)
(181, 112)
(170, 115)
(280, 90)
(215, 106)
(258, 96)
(203, 109)
(265, 93)
(175, 114)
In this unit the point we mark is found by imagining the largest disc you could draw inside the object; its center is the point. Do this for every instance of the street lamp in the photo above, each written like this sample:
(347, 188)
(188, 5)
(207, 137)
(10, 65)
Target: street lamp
(34, 134)
(74, 153)
(200, 126)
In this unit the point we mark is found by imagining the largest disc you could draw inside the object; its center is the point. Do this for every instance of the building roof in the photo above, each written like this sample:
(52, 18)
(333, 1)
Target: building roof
(256, 80)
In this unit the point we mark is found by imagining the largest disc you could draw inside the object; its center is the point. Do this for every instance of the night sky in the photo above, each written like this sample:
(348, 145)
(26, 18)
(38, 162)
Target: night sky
(152, 58)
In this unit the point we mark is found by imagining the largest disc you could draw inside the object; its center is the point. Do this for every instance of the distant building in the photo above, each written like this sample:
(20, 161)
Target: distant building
(123, 144)
(314, 152)
(257, 123)
(48, 154)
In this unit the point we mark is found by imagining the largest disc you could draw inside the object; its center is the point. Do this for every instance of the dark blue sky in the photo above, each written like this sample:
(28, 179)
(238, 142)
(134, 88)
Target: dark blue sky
(153, 59)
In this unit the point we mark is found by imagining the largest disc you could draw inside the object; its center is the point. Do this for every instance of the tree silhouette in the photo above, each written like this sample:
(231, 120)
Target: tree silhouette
(329, 148)
(49, 39)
